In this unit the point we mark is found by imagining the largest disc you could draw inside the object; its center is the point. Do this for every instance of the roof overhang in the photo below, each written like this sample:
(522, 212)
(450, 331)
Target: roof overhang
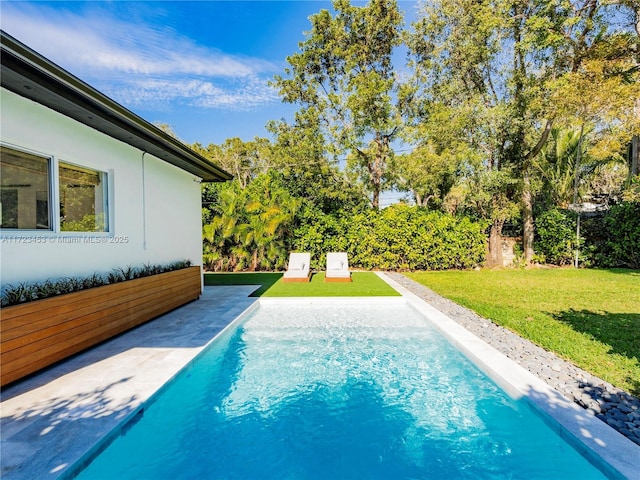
(30, 75)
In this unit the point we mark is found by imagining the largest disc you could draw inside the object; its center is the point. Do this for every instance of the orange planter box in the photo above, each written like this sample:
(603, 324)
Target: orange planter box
(37, 334)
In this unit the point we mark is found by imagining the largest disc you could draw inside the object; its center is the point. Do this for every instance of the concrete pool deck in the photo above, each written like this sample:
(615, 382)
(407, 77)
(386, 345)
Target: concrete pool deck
(57, 417)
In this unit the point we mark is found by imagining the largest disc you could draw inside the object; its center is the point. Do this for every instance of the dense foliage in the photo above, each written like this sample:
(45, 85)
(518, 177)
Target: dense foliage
(397, 238)
(506, 113)
(611, 239)
(622, 231)
(556, 241)
(257, 234)
(250, 227)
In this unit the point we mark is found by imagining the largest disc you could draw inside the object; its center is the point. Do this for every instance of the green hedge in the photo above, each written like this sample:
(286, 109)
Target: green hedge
(397, 238)
(611, 240)
(622, 230)
(556, 236)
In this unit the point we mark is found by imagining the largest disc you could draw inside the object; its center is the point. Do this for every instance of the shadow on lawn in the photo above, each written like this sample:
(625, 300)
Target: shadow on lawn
(265, 279)
(621, 331)
(623, 271)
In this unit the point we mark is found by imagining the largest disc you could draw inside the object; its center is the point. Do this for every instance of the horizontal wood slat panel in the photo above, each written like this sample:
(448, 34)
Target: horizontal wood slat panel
(65, 303)
(19, 327)
(58, 347)
(94, 315)
(20, 367)
(36, 336)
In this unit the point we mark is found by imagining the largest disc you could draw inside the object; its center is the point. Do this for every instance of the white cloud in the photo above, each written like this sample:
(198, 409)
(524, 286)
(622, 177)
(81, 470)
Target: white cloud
(137, 63)
(244, 94)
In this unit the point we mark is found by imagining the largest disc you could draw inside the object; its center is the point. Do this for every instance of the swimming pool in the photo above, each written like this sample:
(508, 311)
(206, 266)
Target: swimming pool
(344, 389)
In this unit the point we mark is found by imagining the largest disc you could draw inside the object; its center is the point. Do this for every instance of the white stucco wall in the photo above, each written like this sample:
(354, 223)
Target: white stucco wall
(155, 207)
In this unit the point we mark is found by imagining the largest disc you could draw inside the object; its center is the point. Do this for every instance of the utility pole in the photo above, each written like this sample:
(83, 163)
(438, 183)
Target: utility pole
(578, 208)
(634, 167)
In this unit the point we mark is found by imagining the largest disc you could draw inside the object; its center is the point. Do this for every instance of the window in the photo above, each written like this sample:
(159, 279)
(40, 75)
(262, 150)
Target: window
(83, 199)
(28, 190)
(25, 192)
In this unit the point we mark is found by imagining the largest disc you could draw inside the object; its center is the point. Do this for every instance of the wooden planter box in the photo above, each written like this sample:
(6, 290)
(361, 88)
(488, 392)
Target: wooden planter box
(39, 333)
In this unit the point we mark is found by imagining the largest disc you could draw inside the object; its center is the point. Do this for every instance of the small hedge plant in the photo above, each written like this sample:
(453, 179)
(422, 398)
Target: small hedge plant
(30, 291)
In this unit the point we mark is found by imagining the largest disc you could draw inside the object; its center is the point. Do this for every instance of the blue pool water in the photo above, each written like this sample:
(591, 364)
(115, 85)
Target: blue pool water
(343, 392)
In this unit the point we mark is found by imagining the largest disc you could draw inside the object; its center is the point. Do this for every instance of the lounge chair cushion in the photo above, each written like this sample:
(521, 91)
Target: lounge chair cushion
(298, 267)
(337, 267)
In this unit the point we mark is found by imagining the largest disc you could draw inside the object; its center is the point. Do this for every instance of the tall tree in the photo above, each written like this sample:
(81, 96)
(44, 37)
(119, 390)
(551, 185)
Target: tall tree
(344, 73)
(456, 49)
(557, 39)
(427, 172)
(244, 160)
(505, 58)
(438, 133)
(299, 154)
(632, 12)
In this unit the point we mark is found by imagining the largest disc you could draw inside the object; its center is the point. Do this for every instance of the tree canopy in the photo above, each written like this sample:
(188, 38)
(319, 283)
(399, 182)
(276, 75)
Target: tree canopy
(500, 111)
(343, 78)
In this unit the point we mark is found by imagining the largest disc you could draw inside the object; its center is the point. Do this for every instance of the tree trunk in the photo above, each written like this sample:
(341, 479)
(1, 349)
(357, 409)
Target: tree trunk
(375, 175)
(375, 202)
(634, 160)
(378, 166)
(527, 218)
(420, 200)
(254, 261)
(494, 259)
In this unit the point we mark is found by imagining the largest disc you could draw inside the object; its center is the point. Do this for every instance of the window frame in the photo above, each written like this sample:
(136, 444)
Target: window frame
(105, 176)
(53, 163)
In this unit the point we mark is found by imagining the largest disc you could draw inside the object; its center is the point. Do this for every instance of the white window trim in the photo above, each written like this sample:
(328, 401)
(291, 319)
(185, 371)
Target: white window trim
(54, 200)
(107, 206)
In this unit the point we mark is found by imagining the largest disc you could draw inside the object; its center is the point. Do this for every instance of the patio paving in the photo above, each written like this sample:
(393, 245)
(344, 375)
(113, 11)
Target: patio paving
(52, 419)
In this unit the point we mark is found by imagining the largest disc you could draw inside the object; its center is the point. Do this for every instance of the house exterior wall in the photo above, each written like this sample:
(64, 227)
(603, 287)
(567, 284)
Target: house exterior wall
(154, 207)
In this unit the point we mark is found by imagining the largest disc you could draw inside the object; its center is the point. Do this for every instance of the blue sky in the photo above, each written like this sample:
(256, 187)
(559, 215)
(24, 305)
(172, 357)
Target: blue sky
(201, 67)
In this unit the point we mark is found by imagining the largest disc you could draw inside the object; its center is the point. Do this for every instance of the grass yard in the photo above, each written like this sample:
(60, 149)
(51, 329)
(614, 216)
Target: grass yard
(364, 284)
(589, 317)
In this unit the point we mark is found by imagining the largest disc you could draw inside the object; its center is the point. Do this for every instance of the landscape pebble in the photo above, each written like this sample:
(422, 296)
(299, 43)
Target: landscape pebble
(613, 406)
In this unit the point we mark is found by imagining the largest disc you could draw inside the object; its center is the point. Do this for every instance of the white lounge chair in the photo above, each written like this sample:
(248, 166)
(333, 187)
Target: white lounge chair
(337, 267)
(298, 268)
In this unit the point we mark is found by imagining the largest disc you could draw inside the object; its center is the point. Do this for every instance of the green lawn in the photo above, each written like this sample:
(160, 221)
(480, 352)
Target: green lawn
(589, 317)
(364, 284)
